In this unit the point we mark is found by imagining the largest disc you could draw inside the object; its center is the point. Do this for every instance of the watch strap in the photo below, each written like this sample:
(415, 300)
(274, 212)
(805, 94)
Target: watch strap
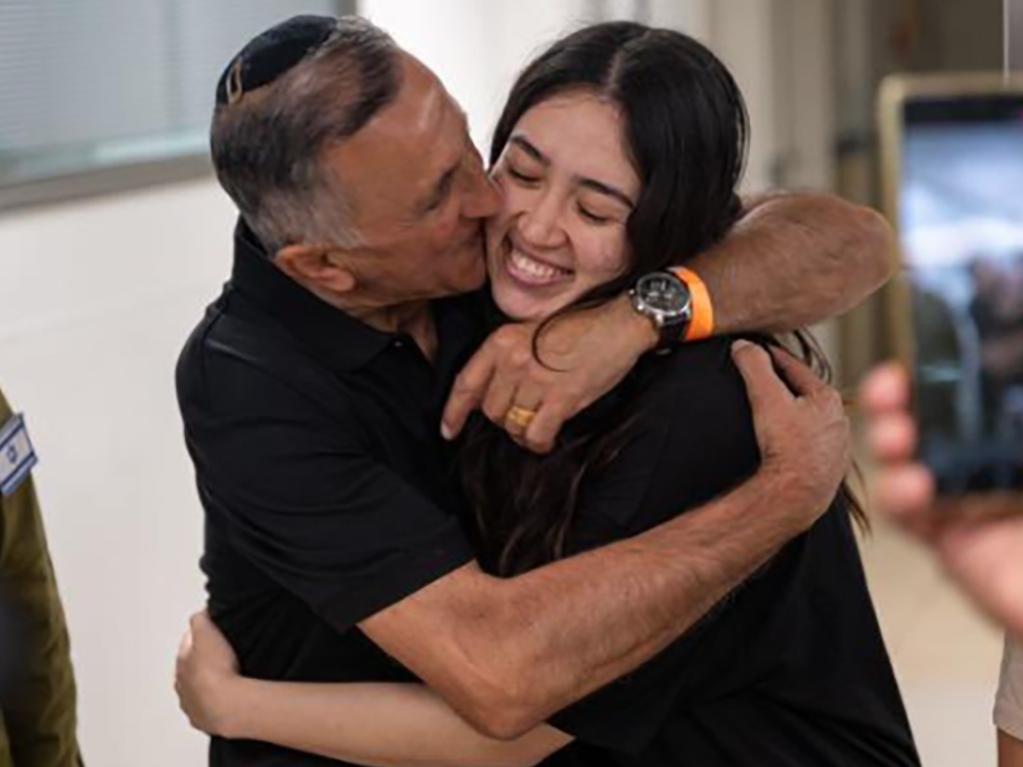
(668, 335)
(701, 323)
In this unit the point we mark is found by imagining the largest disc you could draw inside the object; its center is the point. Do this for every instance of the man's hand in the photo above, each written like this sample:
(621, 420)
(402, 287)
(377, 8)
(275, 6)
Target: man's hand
(801, 427)
(791, 260)
(581, 357)
(205, 669)
(978, 539)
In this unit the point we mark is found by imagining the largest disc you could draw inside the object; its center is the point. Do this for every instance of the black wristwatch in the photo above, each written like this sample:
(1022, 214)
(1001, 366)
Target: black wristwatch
(664, 299)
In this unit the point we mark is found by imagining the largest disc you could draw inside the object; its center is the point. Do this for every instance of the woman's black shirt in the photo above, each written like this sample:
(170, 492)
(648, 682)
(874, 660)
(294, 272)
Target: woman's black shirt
(789, 670)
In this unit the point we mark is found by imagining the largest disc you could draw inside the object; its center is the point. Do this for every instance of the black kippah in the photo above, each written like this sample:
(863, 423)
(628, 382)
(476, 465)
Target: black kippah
(272, 53)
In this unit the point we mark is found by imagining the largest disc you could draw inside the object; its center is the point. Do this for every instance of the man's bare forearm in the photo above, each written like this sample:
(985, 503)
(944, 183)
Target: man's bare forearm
(794, 260)
(506, 654)
(568, 629)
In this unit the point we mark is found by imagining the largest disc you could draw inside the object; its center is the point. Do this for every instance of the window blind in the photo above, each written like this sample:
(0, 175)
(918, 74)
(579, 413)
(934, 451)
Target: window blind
(92, 83)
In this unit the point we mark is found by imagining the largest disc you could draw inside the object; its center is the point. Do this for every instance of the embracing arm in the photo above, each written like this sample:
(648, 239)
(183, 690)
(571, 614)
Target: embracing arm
(375, 724)
(506, 654)
(794, 260)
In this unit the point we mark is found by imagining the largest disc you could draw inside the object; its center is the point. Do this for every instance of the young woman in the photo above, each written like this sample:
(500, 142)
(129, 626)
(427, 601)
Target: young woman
(619, 152)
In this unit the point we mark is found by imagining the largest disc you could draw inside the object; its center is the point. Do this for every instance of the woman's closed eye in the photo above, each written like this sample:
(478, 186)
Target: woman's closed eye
(592, 217)
(597, 209)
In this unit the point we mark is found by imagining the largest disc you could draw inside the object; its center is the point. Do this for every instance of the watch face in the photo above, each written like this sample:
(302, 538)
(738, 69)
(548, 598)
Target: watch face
(664, 293)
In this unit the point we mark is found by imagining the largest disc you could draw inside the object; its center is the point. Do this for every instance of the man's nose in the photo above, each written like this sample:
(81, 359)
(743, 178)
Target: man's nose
(484, 200)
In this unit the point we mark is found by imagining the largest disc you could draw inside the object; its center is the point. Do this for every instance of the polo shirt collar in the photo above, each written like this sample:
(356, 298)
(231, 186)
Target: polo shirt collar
(339, 340)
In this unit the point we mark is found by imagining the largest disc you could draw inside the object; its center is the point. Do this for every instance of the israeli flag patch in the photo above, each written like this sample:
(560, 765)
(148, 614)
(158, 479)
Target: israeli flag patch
(16, 454)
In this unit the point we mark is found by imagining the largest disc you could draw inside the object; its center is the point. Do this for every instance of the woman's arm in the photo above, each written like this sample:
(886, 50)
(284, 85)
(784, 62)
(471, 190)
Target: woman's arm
(375, 724)
(791, 261)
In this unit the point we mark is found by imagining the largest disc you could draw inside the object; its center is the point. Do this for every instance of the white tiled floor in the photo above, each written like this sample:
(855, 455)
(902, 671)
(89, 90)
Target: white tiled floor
(946, 656)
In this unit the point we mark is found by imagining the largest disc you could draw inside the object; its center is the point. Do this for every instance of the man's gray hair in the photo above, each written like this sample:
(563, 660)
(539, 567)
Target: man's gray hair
(268, 147)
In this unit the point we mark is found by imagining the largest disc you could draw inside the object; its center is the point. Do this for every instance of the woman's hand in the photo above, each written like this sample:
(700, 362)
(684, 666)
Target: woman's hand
(979, 539)
(204, 675)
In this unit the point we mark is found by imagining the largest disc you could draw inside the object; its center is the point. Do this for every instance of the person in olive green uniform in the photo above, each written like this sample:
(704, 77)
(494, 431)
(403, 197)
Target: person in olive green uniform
(37, 715)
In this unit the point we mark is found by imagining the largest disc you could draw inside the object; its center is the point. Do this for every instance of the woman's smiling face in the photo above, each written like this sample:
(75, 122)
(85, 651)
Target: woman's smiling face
(569, 187)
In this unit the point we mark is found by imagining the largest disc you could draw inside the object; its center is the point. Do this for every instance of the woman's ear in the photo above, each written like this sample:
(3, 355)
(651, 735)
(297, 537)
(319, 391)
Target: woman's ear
(318, 266)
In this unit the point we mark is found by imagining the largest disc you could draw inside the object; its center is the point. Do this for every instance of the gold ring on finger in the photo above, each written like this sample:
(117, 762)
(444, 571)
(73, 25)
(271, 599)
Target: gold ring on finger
(520, 416)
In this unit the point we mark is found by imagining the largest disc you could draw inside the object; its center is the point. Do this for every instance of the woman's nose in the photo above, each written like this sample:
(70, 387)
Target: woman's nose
(541, 225)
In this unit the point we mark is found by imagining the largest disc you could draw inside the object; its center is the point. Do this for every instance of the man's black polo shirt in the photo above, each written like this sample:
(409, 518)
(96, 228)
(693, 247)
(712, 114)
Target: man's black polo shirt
(324, 482)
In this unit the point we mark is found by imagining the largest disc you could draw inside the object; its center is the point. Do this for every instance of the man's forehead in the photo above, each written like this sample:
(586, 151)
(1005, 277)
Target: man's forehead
(422, 108)
(407, 145)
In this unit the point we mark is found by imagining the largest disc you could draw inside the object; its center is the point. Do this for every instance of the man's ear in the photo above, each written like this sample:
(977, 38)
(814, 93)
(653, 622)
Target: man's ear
(316, 265)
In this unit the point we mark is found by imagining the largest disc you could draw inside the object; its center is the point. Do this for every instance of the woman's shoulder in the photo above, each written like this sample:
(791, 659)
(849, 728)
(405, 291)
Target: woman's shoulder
(693, 381)
(689, 436)
(682, 388)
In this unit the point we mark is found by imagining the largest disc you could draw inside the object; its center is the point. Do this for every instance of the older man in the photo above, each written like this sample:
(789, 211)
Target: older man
(312, 394)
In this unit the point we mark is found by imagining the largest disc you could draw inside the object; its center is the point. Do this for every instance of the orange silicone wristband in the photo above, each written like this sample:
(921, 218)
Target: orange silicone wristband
(702, 323)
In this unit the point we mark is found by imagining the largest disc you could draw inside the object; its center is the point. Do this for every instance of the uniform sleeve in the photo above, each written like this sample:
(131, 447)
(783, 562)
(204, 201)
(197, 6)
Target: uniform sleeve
(693, 442)
(40, 717)
(298, 494)
(1009, 701)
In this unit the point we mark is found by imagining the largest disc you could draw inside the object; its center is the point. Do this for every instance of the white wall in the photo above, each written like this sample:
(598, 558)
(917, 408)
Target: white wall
(786, 75)
(777, 49)
(97, 299)
(476, 48)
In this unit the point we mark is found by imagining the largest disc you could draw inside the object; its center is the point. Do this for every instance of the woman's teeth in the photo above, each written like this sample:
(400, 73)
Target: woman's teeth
(533, 270)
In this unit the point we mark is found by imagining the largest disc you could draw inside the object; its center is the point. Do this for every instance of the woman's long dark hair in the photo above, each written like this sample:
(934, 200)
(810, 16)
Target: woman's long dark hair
(687, 132)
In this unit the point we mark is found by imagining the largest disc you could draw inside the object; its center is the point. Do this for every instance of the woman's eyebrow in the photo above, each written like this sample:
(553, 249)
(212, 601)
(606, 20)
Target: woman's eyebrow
(522, 143)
